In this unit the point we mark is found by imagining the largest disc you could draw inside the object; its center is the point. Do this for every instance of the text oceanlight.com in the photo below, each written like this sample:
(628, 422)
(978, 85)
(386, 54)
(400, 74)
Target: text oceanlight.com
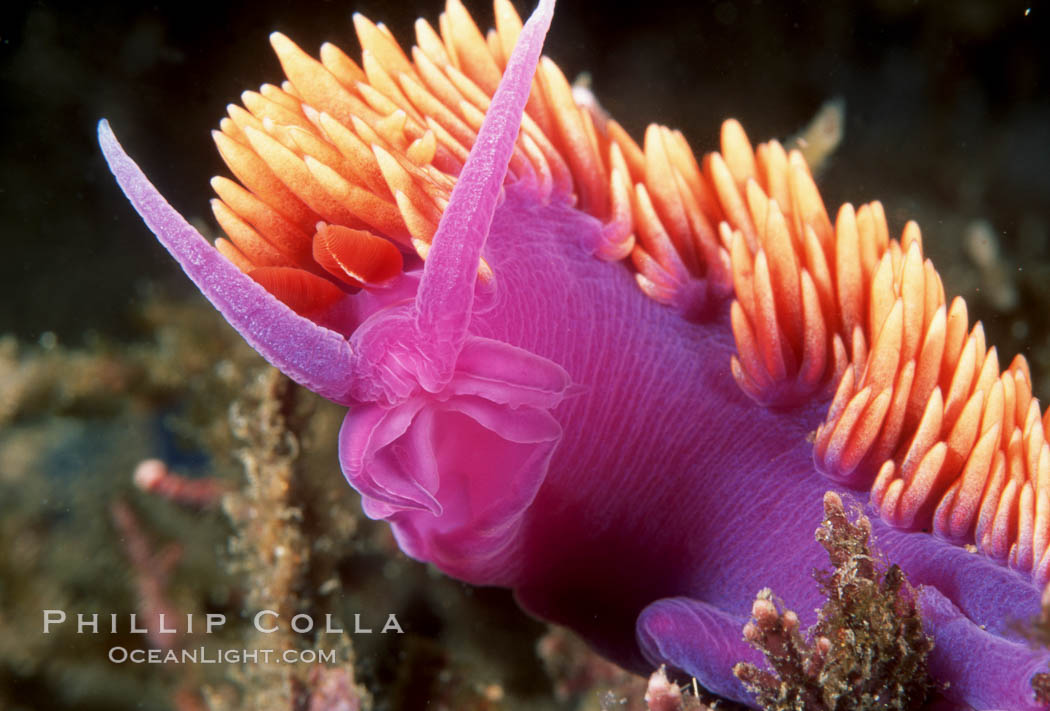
(168, 635)
(123, 655)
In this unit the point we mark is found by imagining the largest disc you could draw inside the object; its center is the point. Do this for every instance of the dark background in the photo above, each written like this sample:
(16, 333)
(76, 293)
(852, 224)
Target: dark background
(948, 121)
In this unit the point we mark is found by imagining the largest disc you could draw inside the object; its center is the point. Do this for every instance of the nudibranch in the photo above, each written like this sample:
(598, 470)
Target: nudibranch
(610, 376)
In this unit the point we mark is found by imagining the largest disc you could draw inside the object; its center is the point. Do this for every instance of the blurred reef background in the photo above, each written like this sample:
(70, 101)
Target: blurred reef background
(109, 357)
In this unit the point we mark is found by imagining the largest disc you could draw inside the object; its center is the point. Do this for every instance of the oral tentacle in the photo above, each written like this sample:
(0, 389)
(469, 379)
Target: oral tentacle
(314, 356)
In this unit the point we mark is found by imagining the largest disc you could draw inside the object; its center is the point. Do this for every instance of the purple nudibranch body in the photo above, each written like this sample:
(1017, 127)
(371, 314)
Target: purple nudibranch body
(552, 429)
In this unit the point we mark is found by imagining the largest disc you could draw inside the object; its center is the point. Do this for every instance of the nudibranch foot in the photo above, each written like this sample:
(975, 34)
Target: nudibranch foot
(701, 641)
(677, 629)
(696, 638)
(999, 671)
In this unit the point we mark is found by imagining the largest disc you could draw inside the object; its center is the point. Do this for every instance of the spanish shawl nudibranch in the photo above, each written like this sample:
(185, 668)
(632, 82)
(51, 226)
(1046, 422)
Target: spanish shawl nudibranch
(449, 245)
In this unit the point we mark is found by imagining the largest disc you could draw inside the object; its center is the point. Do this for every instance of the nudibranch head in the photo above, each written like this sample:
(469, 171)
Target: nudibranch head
(565, 353)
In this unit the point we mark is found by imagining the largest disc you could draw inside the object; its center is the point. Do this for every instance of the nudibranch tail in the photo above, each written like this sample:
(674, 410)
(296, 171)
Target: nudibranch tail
(312, 355)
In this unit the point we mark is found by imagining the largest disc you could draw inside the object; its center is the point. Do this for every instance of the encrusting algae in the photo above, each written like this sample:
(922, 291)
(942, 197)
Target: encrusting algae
(867, 651)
